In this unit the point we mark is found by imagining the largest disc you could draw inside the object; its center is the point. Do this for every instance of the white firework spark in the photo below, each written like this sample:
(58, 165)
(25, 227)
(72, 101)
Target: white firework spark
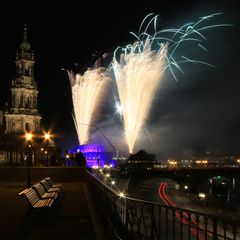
(88, 90)
(137, 75)
(139, 68)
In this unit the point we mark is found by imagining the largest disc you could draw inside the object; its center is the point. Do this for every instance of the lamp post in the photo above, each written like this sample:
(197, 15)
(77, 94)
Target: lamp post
(47, 137)
(28, 137)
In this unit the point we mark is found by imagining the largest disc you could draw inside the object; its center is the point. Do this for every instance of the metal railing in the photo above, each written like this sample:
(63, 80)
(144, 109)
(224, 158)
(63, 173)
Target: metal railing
(134, 219)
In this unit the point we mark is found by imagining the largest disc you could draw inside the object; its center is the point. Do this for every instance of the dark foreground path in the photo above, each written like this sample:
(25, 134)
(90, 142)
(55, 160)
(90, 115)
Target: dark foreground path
(74, 216)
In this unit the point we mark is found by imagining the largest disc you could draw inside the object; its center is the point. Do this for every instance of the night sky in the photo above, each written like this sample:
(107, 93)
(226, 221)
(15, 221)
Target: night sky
(199, 111)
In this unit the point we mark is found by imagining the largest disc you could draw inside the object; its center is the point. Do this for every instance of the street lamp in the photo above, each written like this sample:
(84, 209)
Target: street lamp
(47, 138)
(28, 137)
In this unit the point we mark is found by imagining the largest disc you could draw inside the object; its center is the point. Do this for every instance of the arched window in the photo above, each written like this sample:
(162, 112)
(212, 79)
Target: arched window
(27, 71)
(27, 128)
(27, 103)
(21, 101)
(14, 100)
(30, 71)
(19, 69)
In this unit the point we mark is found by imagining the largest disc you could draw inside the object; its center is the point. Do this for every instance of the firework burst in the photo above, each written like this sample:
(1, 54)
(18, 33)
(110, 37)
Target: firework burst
(139, 67)
(88, 90)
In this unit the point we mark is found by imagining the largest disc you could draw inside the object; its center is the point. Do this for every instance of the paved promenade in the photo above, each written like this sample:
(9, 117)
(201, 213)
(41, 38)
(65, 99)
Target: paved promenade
(74, 216)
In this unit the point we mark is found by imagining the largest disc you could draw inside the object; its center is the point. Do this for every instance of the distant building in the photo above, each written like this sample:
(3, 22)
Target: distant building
(187, 158)
(204, 159)
(212, 159)
(23, 115)
(95, 155)
(2, 153)
(187, 154)
(3, 110)
(1, 120)
(141, 161)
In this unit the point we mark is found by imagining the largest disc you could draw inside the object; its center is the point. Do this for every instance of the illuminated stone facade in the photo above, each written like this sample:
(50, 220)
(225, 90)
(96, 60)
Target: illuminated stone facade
(23, 115)
(1, 120)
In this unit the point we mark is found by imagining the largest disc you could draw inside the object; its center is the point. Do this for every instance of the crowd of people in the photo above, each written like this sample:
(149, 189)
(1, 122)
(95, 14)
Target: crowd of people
(75, 159)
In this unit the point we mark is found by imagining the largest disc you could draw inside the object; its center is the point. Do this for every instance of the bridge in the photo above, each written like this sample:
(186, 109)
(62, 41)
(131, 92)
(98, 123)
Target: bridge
(193, 177)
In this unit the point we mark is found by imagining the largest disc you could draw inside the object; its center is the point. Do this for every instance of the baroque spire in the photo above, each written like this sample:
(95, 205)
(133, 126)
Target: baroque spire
(25, 45)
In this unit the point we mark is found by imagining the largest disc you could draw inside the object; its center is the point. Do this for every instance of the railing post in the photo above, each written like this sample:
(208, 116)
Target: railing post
(173, 222)
(114, 216)
(206, 226)
(181, 224)
(189, 225)
(234, 231)
(215, 234)
(197, 225)
(166, 222)
(125, 223)
(152, 221)
(159, 221)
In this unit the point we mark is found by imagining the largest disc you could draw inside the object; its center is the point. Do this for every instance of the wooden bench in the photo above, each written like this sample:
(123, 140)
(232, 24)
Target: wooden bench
(51, 184)
(36, 203)
(48, 188)
(42, 193)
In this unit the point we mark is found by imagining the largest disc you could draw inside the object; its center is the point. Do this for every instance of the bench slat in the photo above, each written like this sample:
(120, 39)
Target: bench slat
(43, 193)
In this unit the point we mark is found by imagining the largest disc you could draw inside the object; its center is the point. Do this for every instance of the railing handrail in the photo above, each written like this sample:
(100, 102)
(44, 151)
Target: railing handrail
(131, 218)
(157, 203)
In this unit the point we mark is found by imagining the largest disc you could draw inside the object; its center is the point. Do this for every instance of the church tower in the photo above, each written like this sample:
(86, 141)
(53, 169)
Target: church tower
(23, 115)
